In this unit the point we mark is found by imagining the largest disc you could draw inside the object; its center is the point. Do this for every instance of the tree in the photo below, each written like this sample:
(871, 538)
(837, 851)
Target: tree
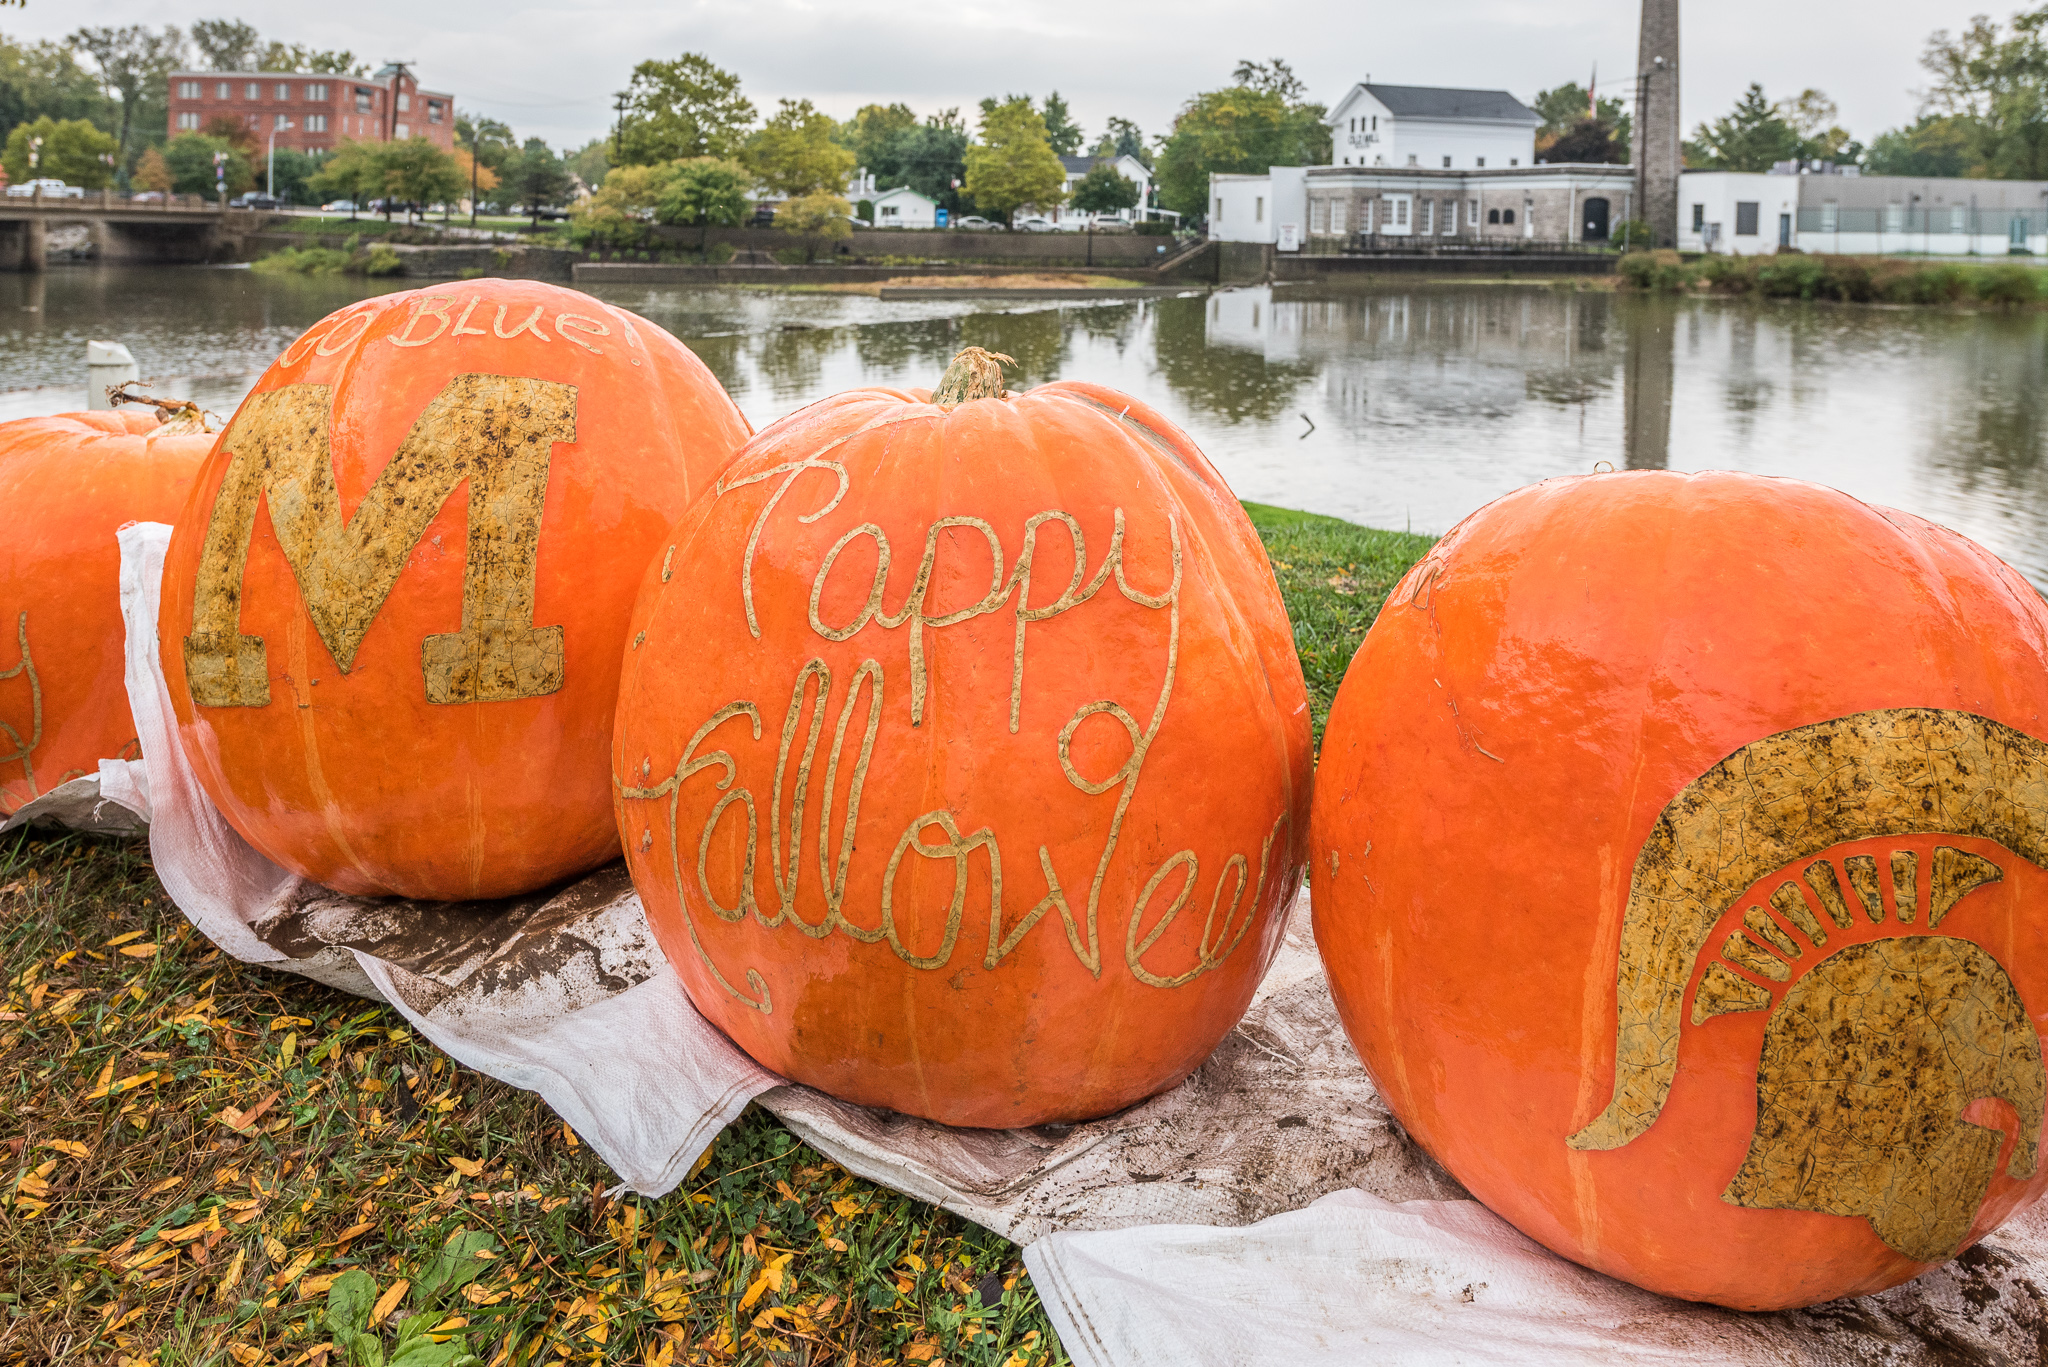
(417, 173)
(190, 159)
(1060, 129)
(684, 108)
(1122, 138)
(1567, 106)
(708, 192)
(1751, 137)
(873, 128)
(1240, 129)
(1994, 82)
(135, 64)
(230, 129)
(152, 172)
(818, 217)
(314, 61)
(794, 153)
(487, 144)
(72, 151)
(1013, 164)
(1104, 191)
(39, 80)
(289, 174)
(225, 44)
(930, 158)
(618, 213)
(1589, 142)
(1934, 145)
(1811, 116)
(352, 172)
(1274, 78)
(590, 163)
(535, 177)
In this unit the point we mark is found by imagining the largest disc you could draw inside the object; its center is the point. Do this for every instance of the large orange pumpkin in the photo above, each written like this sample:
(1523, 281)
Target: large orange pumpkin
(394, 608)
(67, 485)
(1678, 865)
(963, 754)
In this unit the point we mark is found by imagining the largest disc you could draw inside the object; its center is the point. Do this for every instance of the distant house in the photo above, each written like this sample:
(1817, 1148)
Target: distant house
(1434, 128)
(1833, 209)
(904, 207)
(1129, 167)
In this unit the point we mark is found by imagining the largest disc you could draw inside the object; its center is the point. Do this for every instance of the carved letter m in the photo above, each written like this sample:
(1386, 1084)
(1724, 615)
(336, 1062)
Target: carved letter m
(494, 432)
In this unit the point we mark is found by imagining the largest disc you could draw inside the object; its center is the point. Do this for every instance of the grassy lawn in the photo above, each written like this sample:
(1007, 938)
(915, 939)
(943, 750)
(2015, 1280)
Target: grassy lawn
(207, 1163)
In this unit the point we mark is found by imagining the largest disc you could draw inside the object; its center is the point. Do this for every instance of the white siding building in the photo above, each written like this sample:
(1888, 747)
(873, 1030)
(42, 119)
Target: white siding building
(1432, 127)
(1755, 213)
(1129, 167)
(904, 207)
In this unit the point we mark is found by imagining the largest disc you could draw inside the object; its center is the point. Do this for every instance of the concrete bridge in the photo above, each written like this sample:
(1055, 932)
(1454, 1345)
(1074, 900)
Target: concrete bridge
(180, 228)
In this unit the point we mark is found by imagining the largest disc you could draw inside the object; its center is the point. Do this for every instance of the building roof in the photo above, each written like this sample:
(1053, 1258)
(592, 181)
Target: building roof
(1443, 102)
(1081, 166)
(897, 191)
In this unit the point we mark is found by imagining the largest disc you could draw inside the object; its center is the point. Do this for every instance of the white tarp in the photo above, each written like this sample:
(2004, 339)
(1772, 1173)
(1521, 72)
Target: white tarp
(1267, 1210)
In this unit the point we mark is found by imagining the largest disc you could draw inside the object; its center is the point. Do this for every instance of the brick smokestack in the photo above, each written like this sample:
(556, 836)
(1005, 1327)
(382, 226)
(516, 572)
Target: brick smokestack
(1656, 122)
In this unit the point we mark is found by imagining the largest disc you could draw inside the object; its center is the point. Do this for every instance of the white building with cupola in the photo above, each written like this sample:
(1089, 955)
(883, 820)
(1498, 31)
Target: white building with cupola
(1418, 166)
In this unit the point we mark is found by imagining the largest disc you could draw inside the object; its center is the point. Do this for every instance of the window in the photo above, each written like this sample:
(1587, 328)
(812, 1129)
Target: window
(1259, 209)
(1957, 220)
(1401, 212)
(188, 90)
(280, 121)
(284, 92)
(1745, 218)
(1450, 219)
(434, 109)
(1412, 160)
(220, 90)
(1375, 123)
(1894, 218)
(1319, 216)
(1493, 215)
(1699, 218)
(316, 123)
(1447, 163)
(1473, 217)
(404, 103)
(1528, 218)
(362, 100)
(1337, 215)
(890, 211)
(1507, 215)
(253, 90)
(402, 131)
(1219, 208)
(317, 91)
(1480, 162)
(189, 122)
(1514, 161)
(1827, 216)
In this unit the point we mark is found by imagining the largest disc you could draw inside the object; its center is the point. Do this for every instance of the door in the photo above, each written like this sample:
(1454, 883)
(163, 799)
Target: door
(1784, 230)
(2016, 237)
(1596, 220)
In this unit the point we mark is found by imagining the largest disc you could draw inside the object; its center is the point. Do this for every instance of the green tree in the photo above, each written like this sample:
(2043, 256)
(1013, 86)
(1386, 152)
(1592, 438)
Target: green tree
(225, 44)
(535, 178)
(488, 145)
(591, 162)
(1589, 142)
(1750, 137)
(316, 61)
(685, 108)
(39, 80)
(1993, 79)
(289, 173)
(871, 130)
(135, 65)
(1122, 138)
(1061, 131)
(1104, 191)
(707, 192)
(1811, 116)
(1933, 145)
(818, 217)
(1245, 129)
(618, 213)
(417, 173)
(72, 151)
(1013, 164)
(795, 153)
(353, 171)
(930, 158)
(1565, 107)
(190, 158)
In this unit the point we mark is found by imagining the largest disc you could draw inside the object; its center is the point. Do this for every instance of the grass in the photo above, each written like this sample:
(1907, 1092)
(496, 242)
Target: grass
(205, 1164)
(303, 261)
(1844, 279)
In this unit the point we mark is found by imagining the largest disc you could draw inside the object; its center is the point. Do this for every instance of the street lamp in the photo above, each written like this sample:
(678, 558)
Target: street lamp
(220, 177)
(270, 160)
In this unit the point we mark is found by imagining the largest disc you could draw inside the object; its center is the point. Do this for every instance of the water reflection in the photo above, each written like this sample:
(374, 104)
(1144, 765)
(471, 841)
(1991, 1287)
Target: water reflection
(1406, 406)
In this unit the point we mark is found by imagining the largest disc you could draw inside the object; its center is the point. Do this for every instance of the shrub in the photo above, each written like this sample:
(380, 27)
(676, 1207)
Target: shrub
(383, 260)
(303, 261)
(2010, 284)
(1912, 282)
(1728, 274)
(1791, 277)
(718, 253)
(501, 257)
(1659, 272)
(791, 256)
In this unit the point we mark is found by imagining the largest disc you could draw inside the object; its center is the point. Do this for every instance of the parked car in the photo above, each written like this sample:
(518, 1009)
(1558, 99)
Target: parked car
(255, 199)
(1035, 224)
(552, 215)
(339, 206)
(52, 189)
(147, 197)
(764, 215)
(975, 223)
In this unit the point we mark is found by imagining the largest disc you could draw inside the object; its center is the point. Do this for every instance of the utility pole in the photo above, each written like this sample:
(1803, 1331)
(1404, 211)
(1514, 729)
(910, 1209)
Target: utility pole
(619, 127)
(399, 76)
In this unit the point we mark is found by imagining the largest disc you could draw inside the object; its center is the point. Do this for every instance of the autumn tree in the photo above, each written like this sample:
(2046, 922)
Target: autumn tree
(818, 218)
(152, 172)
(1014, 164)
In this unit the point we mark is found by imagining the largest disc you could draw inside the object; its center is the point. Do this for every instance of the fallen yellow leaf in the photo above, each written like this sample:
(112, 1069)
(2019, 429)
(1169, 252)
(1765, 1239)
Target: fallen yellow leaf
(140, 951)
(76, 1150)
(273, 1249)
(388, 1302)
(294, 1269)
(468, 1167)
(846, 1207)
(99, 1086)
(354, 1231)
(230, 1279)
(163, 1186)
(124, 939)
(314, 1286)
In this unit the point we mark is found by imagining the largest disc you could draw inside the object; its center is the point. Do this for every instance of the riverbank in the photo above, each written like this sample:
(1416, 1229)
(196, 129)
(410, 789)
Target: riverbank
(198, 1149)
(1843, 279)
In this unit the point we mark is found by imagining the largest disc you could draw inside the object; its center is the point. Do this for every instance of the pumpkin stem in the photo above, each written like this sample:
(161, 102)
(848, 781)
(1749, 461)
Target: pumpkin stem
(974, 374)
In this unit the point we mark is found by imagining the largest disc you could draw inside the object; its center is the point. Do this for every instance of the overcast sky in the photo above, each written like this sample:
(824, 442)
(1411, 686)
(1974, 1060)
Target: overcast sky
(551, 69)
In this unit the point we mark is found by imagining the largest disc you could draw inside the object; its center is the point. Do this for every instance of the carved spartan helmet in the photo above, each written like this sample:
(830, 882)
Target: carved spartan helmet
(1871, 1057)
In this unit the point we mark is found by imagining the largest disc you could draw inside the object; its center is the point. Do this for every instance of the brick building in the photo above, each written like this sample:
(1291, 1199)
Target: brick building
(323, 109)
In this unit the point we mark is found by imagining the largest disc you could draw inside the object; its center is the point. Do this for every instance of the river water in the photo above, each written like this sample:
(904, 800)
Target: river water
(1403, 406)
